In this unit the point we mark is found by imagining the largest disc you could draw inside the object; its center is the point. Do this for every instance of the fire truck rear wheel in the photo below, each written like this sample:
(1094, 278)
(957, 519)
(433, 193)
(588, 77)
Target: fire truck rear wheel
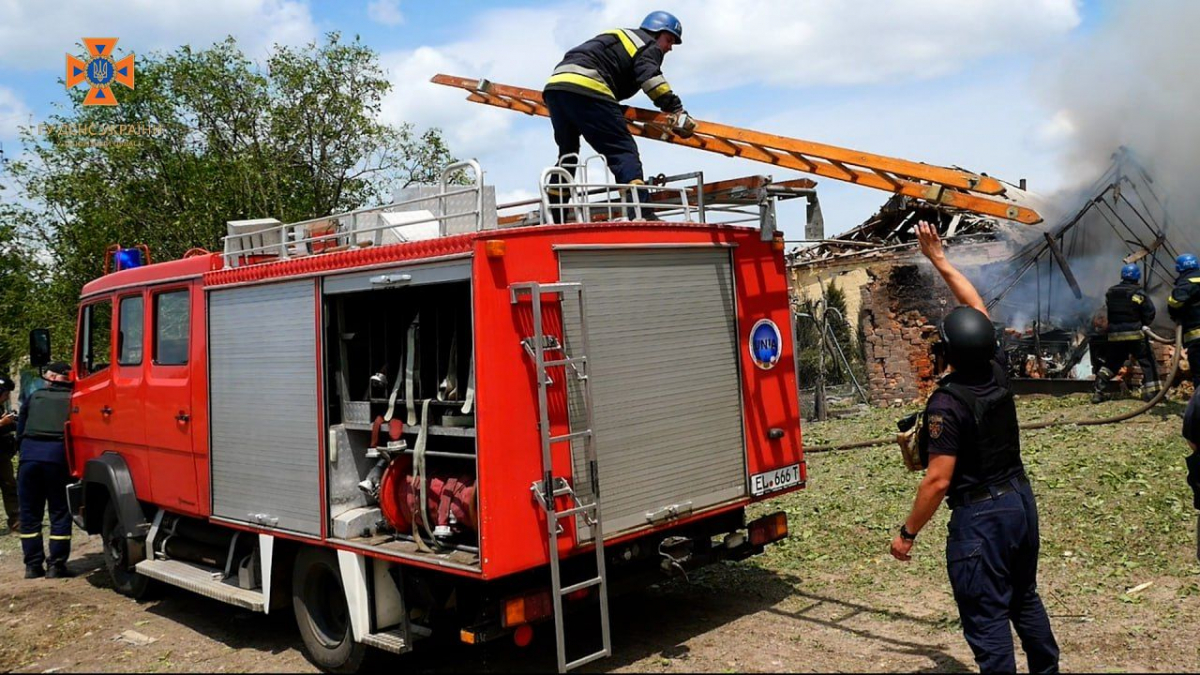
(116, 556)
(322, 614)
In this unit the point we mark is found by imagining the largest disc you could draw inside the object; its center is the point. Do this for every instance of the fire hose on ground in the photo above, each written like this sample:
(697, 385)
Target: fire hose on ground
(1162, 393)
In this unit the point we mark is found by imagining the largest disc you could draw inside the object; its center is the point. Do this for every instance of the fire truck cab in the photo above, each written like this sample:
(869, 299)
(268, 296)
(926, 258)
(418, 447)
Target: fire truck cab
(434, 417)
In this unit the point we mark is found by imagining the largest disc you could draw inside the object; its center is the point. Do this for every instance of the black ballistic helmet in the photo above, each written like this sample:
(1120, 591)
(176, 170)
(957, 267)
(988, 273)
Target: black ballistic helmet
(968, 338)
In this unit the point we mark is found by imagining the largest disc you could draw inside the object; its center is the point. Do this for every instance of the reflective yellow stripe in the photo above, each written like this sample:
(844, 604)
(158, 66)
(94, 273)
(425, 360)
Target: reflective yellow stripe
(1172, 302)
(60, 537)
(1138, 299)
(1125, 336)
(661, 89)
(624, 38)
(580, 80)
(1191, 335)
(32, 535)
(1194, 280)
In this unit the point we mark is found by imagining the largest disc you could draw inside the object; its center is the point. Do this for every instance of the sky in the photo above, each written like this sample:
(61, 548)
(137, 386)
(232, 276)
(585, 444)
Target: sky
(939, 81)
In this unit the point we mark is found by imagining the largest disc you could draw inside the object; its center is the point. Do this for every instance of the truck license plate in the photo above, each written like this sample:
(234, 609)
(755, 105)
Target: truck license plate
(773, 481)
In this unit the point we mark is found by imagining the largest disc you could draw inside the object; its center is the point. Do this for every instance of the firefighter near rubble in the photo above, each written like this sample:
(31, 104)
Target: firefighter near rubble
(1184, 308)
(584, 91)
(970, 445)
(1129, 311)
(42, 474)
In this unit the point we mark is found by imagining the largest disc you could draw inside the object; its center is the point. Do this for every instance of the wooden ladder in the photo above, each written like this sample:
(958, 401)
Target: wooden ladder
(935, 184)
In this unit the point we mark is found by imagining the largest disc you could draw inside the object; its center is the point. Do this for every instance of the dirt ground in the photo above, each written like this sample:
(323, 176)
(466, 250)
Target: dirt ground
(829, 599)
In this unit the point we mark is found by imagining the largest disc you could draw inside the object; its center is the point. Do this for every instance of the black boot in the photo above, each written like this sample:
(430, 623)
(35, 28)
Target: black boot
(34, 572)
(58, 571)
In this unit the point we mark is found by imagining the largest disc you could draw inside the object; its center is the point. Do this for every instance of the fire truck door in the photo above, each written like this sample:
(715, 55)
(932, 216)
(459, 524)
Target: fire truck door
(92, 400)
(126, 423)
(168, 402)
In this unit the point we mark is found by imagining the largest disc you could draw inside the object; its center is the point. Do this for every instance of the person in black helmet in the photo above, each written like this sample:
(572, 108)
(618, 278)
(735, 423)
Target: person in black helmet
(584, 92)
(971, 447)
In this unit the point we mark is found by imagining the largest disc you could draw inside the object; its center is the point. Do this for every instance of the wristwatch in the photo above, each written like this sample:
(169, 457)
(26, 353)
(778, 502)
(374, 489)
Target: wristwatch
(906, 535)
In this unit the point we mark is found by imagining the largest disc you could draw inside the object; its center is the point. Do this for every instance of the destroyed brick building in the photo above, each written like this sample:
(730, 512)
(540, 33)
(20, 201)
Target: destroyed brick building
(1043, 285)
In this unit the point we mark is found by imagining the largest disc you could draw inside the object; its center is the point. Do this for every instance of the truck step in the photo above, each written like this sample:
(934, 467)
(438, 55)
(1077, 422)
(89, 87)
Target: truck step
(203, 580)
(390, 641)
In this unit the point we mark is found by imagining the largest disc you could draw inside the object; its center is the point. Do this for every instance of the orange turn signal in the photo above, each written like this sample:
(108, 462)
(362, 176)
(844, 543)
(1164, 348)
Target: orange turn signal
(777, 242)
(527, 608)
(494, 248)
(768, 529)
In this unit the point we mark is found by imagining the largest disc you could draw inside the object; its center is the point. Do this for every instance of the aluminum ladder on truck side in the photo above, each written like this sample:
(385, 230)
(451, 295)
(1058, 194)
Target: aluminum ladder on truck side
(548, 351)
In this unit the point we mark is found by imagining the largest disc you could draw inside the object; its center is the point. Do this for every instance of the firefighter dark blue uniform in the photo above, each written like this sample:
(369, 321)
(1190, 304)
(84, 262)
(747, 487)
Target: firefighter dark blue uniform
(585, 89)
(1129, 310)
(1184, 307)
(42, 476)
(993, 542)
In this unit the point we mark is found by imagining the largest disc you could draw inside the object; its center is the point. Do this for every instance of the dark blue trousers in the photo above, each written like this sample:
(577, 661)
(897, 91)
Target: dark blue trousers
(1193, 357)
(992, 558)
(602, 125)
(40, 484)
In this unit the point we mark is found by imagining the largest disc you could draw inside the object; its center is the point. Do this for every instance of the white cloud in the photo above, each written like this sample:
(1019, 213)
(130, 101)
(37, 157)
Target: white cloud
(35, 35)
(13, 114)
(386, 12)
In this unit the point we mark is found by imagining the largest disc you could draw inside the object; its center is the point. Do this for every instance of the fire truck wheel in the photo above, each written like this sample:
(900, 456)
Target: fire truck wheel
(116, 557)
(322, 614)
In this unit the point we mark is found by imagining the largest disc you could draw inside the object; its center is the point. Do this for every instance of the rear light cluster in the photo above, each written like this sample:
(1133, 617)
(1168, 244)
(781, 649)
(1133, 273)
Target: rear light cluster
(527, 608)
(768, 529)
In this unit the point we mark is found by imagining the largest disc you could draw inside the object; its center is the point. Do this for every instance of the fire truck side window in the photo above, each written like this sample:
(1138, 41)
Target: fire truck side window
(97, 336)
(129, 336)
(172, 323)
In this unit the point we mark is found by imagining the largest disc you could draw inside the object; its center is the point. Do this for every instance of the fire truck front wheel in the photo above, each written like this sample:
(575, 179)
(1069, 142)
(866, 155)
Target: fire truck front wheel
(116, 556)
(322, 614)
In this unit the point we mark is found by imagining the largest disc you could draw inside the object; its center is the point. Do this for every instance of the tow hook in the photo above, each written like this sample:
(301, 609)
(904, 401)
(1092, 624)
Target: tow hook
(675, 552)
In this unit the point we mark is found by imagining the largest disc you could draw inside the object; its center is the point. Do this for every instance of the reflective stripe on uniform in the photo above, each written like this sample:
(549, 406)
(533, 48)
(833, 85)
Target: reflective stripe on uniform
(1138, 299)
(582, 81)
(60, 537)
(656, 86)
(629, 39)
(1125, 336)
(1191, 335)
(1172, 302)
(578, 70)
(1194, 280)
(31, 535)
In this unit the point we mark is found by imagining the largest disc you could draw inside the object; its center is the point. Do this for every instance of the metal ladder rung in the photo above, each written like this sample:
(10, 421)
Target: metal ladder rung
(571, 436)
(583, 508)
(603, 653)
(565, 362)
(596, 581)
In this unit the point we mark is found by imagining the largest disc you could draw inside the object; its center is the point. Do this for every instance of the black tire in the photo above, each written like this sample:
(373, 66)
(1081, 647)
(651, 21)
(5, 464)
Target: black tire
(116, 557)
(322, 615)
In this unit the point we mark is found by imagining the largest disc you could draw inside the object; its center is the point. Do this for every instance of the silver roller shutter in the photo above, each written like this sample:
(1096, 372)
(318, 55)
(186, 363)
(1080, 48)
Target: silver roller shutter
(665, 380)
(263, 400)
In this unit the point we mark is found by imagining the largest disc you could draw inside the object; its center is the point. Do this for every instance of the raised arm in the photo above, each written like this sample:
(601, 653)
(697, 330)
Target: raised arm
(962, 288)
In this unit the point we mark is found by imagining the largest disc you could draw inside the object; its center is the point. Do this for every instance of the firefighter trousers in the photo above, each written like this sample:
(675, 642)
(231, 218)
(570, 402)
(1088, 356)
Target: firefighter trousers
(40, 484)
(8, 488)
(1118, 352)
(602, 125)
(992, 558)
(1193, 357)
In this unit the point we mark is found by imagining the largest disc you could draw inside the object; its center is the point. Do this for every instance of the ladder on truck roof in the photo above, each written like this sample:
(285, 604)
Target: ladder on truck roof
(551, 488)
(947, 186)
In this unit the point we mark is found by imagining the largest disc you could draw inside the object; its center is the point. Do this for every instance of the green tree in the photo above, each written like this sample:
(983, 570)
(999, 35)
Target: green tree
(808, 343)
(205, 137)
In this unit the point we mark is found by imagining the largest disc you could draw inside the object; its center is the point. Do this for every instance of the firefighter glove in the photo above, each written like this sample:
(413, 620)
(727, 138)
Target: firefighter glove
(682, 124)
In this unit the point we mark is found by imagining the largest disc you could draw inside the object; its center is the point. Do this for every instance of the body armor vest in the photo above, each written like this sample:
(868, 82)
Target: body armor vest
(996, 445)
(48, 412)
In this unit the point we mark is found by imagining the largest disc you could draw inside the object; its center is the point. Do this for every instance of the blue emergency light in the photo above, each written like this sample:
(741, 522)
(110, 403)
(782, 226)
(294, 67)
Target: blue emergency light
(127, 259)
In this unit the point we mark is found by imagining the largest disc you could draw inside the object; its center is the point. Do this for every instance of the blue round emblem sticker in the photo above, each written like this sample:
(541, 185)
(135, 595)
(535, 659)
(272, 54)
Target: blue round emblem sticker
(766, 344)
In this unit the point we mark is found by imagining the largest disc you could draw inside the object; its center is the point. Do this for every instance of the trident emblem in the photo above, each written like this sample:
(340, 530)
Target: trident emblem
(100, 72)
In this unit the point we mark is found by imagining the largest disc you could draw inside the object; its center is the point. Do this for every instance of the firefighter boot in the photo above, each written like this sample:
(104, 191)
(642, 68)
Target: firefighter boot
(34, 572)
(58, 571)
(1102, 379)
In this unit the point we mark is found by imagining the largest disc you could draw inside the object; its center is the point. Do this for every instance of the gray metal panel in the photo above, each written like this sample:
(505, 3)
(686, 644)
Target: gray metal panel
(665, 379)
(263, 399)
(459, 270)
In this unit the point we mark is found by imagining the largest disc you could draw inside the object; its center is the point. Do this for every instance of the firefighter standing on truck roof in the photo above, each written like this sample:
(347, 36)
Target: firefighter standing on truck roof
(1129, 310)
(42, 474)
(582, 96)
(1184, 307)
(971, 445)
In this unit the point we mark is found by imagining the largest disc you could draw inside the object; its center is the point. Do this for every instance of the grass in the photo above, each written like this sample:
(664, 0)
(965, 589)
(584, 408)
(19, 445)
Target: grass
(1114, 506)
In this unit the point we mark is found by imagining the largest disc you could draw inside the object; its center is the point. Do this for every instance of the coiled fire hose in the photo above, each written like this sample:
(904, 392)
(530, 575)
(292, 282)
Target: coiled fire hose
(1162, 393)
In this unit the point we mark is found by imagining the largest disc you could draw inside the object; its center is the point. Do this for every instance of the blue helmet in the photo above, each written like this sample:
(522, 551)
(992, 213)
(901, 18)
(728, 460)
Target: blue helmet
(659, 21)
(1131, 272)
(1186, 263)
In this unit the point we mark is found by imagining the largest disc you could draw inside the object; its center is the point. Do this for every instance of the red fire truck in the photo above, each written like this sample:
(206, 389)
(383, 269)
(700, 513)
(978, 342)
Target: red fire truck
(433, 417)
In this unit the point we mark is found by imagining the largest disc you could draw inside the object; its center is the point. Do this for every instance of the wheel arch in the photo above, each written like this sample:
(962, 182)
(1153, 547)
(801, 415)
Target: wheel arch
(106, 478)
